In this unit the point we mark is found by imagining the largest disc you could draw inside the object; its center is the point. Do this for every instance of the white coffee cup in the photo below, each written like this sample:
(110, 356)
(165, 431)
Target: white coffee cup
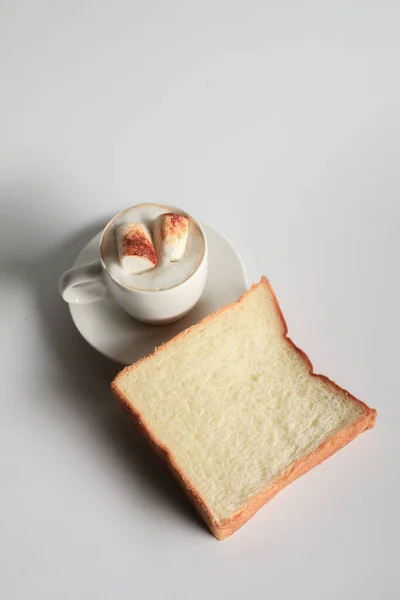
(93, 281)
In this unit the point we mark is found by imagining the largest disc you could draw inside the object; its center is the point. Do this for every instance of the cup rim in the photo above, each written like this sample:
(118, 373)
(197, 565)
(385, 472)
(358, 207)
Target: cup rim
(168, 208)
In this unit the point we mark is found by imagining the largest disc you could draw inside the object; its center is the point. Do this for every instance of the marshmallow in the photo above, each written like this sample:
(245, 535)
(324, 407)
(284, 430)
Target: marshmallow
(170, 234)
(135, 248)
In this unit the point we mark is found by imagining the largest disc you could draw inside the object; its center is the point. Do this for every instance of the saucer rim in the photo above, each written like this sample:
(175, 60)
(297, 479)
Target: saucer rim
(76, 263)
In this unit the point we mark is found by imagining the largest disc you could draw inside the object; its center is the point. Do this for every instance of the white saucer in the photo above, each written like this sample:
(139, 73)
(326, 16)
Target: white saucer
(107, 328)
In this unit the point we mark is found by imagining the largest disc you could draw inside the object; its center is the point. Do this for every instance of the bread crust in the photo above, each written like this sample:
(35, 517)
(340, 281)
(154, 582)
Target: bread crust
(225, 529)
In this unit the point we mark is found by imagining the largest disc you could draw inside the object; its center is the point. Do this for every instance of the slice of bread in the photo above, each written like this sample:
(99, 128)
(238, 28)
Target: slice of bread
(235, 408)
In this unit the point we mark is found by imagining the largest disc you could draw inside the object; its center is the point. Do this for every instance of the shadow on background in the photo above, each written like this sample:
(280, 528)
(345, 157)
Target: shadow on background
(79, 376)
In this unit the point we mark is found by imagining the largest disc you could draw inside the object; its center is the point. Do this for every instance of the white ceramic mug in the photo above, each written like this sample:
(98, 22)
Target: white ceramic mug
(93, 281)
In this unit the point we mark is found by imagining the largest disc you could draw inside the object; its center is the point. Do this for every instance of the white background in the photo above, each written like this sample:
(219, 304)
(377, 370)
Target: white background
(279, 124)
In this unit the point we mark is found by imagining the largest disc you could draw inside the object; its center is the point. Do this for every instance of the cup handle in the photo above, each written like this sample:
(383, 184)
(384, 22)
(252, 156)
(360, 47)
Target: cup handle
(84, 284)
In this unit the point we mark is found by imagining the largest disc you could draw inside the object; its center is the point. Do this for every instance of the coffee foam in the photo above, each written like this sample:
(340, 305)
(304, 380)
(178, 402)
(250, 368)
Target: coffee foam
(165, 274)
